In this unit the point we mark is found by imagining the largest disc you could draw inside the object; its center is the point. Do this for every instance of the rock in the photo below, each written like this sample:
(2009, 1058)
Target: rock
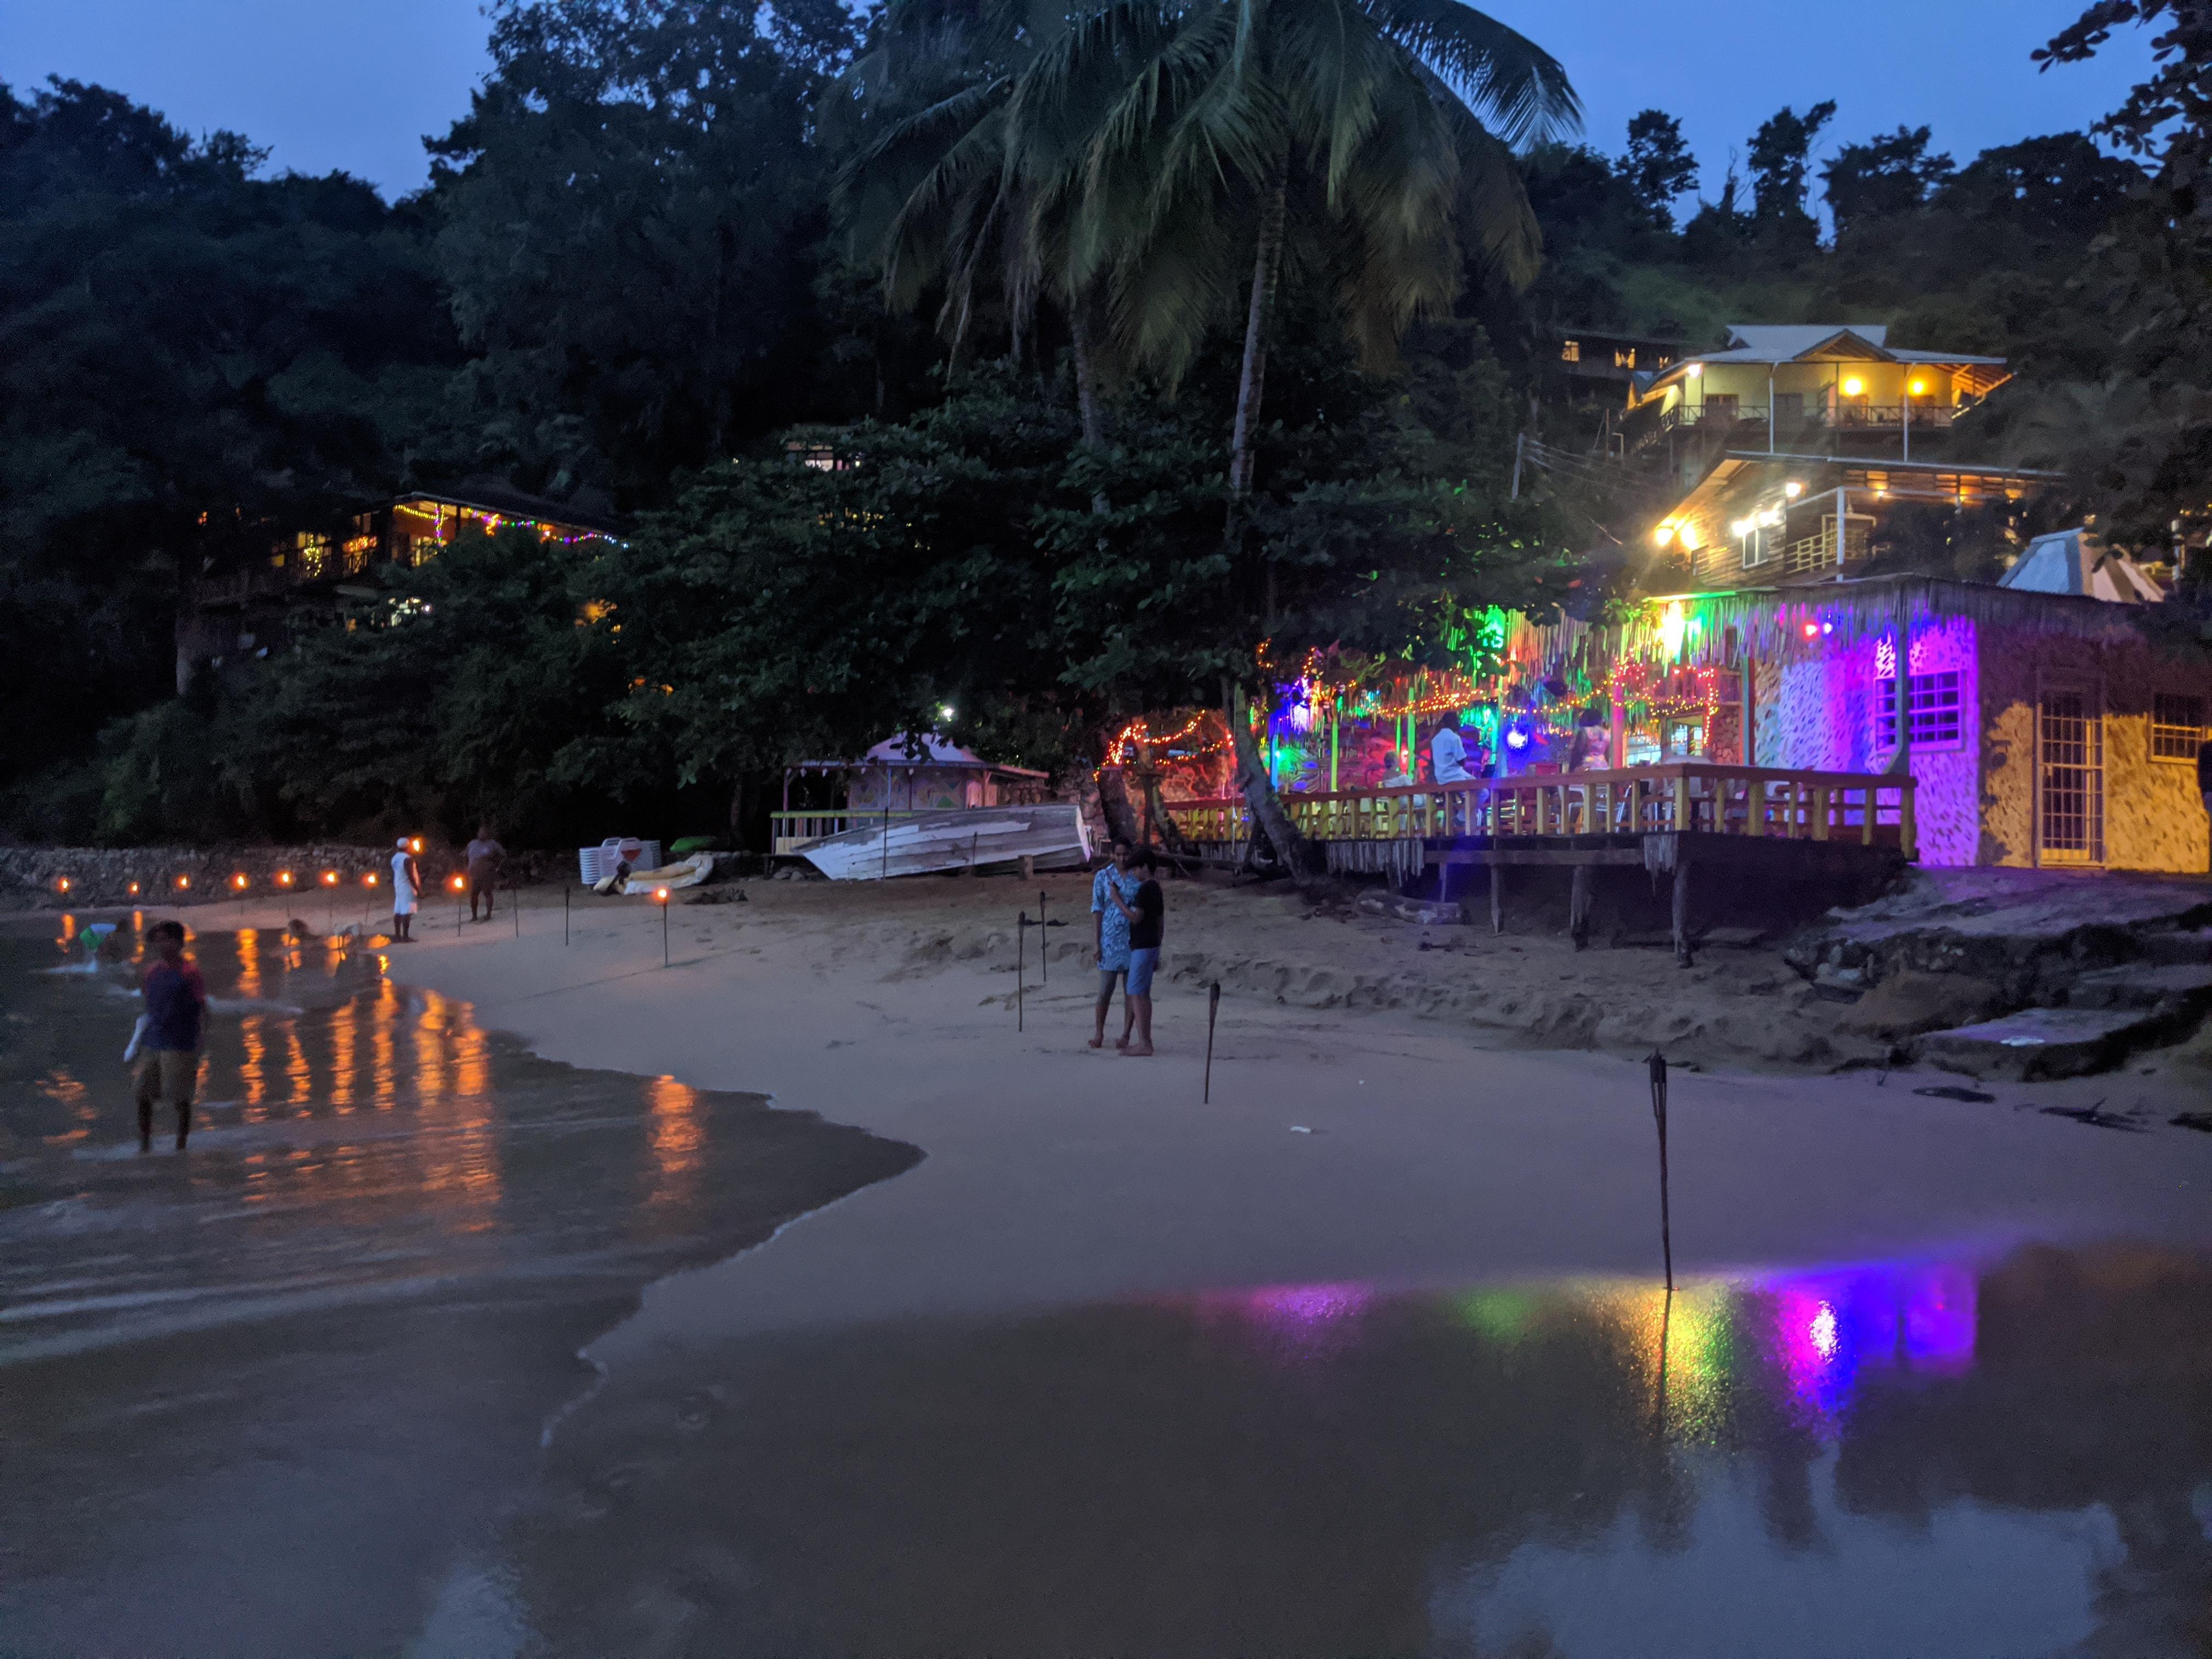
(1909, 1003)
(2042, 1043)
(2178, 987)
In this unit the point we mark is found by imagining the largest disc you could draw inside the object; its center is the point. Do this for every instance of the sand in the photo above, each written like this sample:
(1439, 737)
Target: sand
(1348, 1137)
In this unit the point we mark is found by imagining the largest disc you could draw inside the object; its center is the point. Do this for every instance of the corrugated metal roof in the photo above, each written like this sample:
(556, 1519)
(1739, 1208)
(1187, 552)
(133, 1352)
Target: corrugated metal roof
(1781, 341)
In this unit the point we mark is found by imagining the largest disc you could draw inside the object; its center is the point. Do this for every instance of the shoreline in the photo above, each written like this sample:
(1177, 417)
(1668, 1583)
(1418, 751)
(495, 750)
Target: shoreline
(1432, 1157)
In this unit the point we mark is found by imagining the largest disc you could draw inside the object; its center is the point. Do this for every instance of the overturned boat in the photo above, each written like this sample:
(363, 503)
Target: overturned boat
(1051, 836)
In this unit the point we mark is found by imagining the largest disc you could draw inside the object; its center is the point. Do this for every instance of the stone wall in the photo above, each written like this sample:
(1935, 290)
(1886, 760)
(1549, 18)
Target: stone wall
(1822, 713)
(2154, 817)
(58, 878)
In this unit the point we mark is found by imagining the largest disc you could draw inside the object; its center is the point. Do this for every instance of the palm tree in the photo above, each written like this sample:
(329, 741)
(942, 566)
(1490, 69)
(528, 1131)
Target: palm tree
(1212, 140)
(927, 196)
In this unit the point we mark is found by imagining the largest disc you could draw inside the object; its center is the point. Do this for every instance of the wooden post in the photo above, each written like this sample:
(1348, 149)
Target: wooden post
(1213, 1008)
(1682, 906)
(1496, 894)
(1619, 759)
(1755, 807)
(1908, 834)
(1866, 819)
(1658, 1063)
(1578, 907)
(1681, 801)
(1820, 811)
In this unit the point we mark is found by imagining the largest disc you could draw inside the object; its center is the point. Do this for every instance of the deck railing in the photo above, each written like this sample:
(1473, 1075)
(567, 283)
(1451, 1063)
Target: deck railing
(1730, 800)
(793, 830)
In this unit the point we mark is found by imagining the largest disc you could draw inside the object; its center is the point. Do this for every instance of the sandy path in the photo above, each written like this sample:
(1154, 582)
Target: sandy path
(1055, 1173)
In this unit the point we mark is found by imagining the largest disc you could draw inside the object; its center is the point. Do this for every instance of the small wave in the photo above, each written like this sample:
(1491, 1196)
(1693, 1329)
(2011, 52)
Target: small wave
(80, 969)
(251, 1006)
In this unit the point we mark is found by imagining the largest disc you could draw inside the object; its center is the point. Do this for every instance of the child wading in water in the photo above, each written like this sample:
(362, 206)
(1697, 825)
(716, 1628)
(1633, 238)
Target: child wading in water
(169, 1041)
(1147, 914)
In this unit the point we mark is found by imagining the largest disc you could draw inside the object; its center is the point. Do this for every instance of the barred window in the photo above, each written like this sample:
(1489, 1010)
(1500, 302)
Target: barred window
(1933, 707)
(2177, 727)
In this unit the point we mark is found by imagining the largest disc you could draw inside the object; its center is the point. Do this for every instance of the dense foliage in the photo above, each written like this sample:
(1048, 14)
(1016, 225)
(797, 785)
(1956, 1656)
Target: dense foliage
(658, 250)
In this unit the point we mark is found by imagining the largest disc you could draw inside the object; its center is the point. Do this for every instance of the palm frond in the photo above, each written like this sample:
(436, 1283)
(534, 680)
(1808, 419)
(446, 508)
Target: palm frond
(1520, 90)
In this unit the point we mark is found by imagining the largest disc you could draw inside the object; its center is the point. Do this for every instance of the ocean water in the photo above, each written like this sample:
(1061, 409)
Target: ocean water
(1875, 1460)
(272, 1395)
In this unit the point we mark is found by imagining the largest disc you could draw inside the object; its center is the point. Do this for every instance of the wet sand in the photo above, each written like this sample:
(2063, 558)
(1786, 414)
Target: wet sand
(915, 1378)
(276, 1394)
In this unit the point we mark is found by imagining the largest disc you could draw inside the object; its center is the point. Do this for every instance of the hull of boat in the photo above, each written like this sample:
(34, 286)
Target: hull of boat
(1053, 837)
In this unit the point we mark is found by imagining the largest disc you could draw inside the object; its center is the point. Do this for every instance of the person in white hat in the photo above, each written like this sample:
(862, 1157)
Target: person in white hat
(406, 882)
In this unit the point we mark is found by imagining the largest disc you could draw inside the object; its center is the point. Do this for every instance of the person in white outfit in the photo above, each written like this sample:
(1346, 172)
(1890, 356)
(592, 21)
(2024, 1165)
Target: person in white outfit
(406, 883)
(1448, 755)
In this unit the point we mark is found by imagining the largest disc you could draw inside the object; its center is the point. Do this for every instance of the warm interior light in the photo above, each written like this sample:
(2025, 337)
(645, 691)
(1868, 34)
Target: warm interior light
(1853, 387)
(1793, 489)
(1920, 388)
(1663, 534)
(1691, 540)
(1695, 370)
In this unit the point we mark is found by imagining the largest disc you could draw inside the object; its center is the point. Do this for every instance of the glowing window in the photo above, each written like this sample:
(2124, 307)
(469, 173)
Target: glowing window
(1570, 351)
(1932, 704)
(2177, 727)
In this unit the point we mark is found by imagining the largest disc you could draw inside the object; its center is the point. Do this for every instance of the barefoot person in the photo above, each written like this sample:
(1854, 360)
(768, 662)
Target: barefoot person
(1147, 914)
(1110, 888)
(483, 855)
(406, 883)
(169, 1044)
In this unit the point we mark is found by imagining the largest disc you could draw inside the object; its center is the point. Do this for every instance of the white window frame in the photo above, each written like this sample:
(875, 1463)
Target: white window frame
(1885, 711)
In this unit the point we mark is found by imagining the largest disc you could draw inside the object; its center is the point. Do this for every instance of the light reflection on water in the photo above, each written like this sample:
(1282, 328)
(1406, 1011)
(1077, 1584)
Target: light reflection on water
(355, 1139)
(271, 1390)
(1914, 1456)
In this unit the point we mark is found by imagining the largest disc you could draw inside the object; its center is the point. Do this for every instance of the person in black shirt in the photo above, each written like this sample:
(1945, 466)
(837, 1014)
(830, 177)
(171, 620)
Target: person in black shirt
(1147, 916)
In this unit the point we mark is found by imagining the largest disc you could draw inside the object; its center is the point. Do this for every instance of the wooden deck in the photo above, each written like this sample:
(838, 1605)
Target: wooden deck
(1751, 821)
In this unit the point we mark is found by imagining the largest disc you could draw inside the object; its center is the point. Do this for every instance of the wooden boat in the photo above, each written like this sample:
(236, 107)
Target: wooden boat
(1053, 836)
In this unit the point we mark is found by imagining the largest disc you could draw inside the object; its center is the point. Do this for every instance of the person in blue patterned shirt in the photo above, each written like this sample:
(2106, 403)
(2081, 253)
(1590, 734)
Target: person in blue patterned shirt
(1113, 932)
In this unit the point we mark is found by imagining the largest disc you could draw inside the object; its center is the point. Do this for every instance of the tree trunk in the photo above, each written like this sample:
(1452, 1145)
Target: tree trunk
(1266, 266)
(1266, 807)
(1086, 385)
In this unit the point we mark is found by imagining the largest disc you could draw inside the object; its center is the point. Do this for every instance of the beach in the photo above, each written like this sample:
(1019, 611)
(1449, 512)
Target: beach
(1366, 1139)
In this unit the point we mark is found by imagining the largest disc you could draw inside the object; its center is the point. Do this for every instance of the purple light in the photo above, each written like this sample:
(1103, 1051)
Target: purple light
(1517, 737)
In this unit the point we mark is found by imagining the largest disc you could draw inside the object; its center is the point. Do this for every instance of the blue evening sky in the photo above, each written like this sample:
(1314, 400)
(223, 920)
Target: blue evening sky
(356, 84)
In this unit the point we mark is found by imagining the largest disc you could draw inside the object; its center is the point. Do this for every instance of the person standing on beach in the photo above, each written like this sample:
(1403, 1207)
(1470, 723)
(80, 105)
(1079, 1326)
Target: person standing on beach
(176, 1008)
(483, 855)
(406, 885)
(1146, 915)
(1110, 888)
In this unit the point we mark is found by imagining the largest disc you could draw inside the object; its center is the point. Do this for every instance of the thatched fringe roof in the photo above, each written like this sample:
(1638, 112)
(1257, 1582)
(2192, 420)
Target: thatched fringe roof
(1772, 623)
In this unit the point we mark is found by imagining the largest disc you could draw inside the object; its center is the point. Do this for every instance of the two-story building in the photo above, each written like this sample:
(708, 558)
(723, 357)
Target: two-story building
(1814, 385)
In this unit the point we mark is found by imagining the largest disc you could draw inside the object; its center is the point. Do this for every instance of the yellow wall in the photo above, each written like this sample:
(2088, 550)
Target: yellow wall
(2153, 817)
